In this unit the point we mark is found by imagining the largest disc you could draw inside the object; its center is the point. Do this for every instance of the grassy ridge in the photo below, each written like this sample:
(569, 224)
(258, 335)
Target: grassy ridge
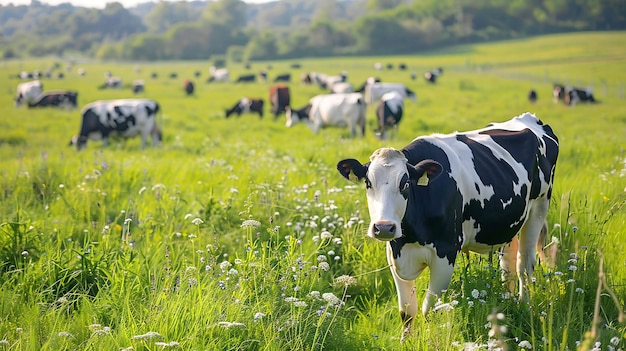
(238, 234)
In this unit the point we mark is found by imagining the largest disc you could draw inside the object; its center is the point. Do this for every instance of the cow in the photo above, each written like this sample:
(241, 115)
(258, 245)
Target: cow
(571, 95)
(285, 77)
(246, 78)
(125, 117)
(246, 105)
(446, 194)
(189, 87)
(389, 112)
(431, 76)
(532, 96)
(56, 98)
(27, 92)
(373, 92)
(218, 74)
(279, 98)
(575, 95)
(331, 110)
(138, 86)
(111, 83)
(173, 75)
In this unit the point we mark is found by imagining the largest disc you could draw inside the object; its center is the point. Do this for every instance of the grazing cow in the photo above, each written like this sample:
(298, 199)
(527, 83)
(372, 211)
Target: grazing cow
(154, 75)
(125, 117)
(189, 87)
(389, 112)
(431, 77)
(279, 98)
(111, 83)
(296, 65)
(246, 105)
(197, 74)
(331, 110)
(378, 66)
(532, 96)
(27, 92)
(571, 95)
(173, 75)
(286, 77)
(263, 76)
(218, 74)
(246, 78)
(444, 194)
(402, 67)
(373, 92)
(138, 86)
(56, 98)
(575, 95)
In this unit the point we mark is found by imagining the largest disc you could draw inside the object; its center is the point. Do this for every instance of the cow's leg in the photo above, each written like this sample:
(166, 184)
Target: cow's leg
(407, 301)
(440, 276)
(528, 238)
(508, 263)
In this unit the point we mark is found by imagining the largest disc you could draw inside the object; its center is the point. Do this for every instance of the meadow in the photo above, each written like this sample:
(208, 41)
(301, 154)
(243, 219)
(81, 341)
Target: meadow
(239, 234)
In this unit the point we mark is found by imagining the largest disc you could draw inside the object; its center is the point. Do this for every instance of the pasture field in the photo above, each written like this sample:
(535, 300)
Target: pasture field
(239, 234)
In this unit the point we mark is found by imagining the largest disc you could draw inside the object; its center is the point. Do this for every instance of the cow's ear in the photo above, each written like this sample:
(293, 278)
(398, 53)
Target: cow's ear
(352, 169)
(425, 171)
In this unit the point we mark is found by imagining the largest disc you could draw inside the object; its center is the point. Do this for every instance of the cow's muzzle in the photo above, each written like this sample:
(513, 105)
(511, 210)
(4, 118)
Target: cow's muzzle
(384, 230)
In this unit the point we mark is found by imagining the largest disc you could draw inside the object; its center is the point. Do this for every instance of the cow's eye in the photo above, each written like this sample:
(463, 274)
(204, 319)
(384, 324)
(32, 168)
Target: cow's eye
(368, 184)
(404, 186)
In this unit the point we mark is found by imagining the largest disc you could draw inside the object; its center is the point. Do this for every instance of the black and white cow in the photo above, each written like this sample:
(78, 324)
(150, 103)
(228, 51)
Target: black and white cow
(27, 92)
(331, 110)
(389, 113)
(432, 76)
(532, 96)
(373, 92)
(443, 194)
(246, 105)
(125, 117)
(576, 95)
(56, 98)
(139, 86)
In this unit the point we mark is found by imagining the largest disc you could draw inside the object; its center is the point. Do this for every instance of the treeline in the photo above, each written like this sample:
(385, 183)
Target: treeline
(234, 30)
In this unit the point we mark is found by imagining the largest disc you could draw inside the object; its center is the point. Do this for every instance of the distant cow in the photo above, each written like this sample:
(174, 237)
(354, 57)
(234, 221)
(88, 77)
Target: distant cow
(373, 92)
(432, 76)
(246, 105)
(246, 78)
(189, 87)
(56, 98)
(138, 86)
(331, 110)
(218, 75)
(532, 96)
(279, 98)
(286, 77)
(389, 112)
(154, 75)
(571, 95)
(111, 83)
(173, 75)
(445, 194)
(27, 92)
(126, 118)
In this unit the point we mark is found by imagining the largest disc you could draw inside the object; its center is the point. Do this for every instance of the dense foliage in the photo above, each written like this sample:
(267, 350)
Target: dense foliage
(288, 28)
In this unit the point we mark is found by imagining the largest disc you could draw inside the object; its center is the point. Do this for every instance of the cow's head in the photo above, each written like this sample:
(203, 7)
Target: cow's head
(295, 116)
(388, 178)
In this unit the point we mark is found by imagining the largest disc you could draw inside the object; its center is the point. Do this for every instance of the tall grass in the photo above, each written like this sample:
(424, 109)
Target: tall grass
(239, 234)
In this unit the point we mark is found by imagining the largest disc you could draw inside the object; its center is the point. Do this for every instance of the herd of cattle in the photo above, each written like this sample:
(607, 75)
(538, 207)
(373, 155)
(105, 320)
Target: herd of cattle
(342, 105)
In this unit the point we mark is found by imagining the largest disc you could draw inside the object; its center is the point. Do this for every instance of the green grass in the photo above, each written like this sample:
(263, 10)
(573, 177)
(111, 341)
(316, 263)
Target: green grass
(232, 234)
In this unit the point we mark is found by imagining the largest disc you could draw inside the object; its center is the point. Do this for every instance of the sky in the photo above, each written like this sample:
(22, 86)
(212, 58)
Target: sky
(96, 3)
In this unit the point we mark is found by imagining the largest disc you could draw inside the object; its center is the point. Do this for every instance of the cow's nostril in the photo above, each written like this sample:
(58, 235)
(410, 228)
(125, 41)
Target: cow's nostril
(384, 229)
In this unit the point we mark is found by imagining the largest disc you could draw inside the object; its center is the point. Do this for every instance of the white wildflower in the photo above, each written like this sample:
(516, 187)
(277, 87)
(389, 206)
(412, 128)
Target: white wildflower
(250, 223)
(525, 344)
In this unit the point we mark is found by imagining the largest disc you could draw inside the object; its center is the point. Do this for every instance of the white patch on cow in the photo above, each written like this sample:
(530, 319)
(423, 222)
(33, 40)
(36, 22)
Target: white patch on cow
(394, 100)
(384, 200)
(414, 258)
(28, 92)
(506, 203)
(332, 110)
(375, 91)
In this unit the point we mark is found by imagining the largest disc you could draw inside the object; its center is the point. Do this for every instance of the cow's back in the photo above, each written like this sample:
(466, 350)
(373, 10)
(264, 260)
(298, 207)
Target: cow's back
(494, 175)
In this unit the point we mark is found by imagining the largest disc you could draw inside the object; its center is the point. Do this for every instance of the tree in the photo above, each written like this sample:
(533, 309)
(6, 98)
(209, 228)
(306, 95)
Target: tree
(227, 12)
